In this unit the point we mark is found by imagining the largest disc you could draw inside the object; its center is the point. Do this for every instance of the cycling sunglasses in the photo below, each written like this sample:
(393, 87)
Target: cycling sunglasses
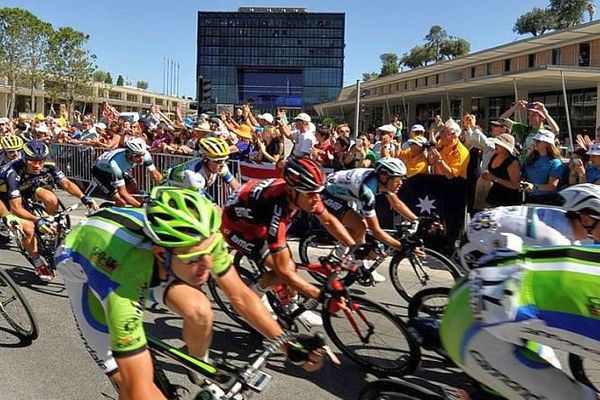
(192, 258)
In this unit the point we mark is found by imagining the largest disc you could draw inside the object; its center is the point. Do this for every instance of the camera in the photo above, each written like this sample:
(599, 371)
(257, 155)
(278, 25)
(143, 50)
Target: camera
(428, 145)
(530, 105)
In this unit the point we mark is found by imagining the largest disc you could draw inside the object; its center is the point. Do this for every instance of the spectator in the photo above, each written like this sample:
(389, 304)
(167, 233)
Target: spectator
(537, 114)
(414, 157)
(270, 146)
(370, 156)
(342, 144)
(323, 150)
(304, 139)
(86, 135)
(161, 139)
(152, 118)
(435, 127)
(451, 157)
(592, 169)
(111, 137)
(416, 131)
(385, 147)
(542, 169)
(504, 171)
(4, 126)
(243, 148)
(577, 165)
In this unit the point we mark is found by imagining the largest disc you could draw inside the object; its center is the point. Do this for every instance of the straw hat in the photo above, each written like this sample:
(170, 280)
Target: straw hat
(505, 140)
(244, 131)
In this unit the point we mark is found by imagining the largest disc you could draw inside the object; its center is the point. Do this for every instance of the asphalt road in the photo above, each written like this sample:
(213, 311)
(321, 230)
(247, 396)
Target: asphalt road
(56, 365)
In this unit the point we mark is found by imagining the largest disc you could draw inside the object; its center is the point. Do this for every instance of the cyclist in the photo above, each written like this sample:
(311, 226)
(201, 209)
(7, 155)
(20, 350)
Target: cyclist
(545, 295)
(256, 218)
(11, 148)
(110, 259)
(358, 187)
(111, 172)
(497, 228)
(201, 173)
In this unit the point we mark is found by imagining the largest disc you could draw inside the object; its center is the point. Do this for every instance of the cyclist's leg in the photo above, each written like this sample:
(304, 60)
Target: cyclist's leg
(130, 183)
(193, 306)
(48, 197)
(89, 316)
(340, 209)
(105, 182)
(513, 371)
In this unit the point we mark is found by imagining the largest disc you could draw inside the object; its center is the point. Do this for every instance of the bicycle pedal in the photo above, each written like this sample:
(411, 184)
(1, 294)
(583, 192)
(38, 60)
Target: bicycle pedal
(258, 381)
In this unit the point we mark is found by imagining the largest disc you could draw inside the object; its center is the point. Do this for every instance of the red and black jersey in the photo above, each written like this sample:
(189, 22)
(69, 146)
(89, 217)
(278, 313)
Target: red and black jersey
(258, 210)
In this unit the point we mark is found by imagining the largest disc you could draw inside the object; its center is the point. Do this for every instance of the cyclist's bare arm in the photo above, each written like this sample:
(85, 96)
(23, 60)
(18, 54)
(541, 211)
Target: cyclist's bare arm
(157, 176)
(234, 184)
(380, 234)
(401, 208)
(285, 268)
(247, 304)
(332, 225)
(135, 378)
(127, 197)
(16, 206)
(71, 188)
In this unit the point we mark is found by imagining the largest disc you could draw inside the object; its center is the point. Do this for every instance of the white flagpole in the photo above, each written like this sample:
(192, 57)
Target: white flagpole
(564, 90)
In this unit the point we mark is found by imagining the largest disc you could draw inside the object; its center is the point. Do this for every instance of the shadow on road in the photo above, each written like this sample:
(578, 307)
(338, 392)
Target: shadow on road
(26, 277)
(10, 340)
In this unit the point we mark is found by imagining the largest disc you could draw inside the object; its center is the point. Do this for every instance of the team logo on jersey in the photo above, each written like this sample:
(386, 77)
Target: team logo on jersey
(103, 260)
(593, 306)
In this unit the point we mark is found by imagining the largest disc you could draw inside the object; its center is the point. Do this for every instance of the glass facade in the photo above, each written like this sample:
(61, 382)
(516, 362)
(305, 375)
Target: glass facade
(582, 105)
(274, 58)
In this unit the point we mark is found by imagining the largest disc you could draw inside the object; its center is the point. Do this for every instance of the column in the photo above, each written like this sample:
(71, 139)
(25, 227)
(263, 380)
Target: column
(40, 104)
(466, 103)
(3, 104)
(597, 105)
(521, 114)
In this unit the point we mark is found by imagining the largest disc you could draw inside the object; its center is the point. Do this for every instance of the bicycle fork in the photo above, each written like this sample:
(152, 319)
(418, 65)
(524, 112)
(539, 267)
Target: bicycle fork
(351, 309)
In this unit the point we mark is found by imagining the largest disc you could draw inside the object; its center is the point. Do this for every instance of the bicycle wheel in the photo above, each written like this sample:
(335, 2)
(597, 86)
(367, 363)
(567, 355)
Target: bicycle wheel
(388, 389)
(585, 371)
(382, 345)
(316, 244)
(249, 274)
(15, 308)
(411, 273)
(429, 302)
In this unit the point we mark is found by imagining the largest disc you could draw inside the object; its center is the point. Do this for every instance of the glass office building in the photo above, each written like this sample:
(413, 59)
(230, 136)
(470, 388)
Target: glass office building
(272, 57)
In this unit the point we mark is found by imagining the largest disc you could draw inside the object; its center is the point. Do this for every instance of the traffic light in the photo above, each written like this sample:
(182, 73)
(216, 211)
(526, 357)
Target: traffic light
(204, 90)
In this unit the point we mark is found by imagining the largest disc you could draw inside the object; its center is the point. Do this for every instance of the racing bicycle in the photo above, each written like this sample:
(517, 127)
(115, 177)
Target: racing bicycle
(15, 308)
(409, 272)
(365, 331)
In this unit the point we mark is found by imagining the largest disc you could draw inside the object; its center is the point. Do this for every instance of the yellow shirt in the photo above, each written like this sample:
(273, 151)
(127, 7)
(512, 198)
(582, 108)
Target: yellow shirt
(456, 157)
(415, 163)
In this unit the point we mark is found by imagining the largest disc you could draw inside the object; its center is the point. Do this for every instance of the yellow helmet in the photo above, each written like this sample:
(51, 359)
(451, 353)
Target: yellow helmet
(214, 148)
(11, 142)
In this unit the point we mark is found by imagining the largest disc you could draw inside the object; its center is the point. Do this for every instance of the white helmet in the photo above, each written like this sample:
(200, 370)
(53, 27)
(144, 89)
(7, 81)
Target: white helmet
(481, 237)
(136, 146)
(391, 166)
(582, 198)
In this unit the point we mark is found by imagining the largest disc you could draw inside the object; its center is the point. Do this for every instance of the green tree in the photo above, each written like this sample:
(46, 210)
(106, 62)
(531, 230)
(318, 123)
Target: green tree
(108, 79)
(328, 121)
(389, 64)
(435, 39)
(452, 48)
(367, 76)
(568, 13)
(69, 64)
(99, 76)
(141, 85)
(22, 40)
(120, 80)
(35, 52)
(536, 22)
(418, 56)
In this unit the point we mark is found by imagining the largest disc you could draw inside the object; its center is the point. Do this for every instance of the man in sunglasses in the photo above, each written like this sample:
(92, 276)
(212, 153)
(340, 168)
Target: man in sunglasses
(110, 260)
(359, 186)
(201, 173)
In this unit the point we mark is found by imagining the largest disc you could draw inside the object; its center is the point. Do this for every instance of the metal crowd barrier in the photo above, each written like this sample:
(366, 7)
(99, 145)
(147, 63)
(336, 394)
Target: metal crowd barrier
(76, 161)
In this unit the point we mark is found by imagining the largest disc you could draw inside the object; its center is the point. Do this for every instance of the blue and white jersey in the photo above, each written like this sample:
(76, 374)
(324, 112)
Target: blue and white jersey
(358, 186)
(115, 162)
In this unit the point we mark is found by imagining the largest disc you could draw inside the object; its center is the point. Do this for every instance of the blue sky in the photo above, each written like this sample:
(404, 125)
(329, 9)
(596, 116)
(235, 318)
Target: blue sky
(131, 37)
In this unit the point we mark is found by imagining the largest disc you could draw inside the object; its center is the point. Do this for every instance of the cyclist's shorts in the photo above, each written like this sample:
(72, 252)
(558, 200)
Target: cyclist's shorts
(242, 236)
(106, 181)
(334, 205)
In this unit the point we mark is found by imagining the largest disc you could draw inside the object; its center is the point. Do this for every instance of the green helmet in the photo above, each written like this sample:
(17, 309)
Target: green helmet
(177, 217)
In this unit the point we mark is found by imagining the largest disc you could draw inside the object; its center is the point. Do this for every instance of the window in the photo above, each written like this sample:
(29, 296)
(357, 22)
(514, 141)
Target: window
(531, 61)
(437, 79)
(584, 55)
(488, 68)
(472, 72)
(555, 57)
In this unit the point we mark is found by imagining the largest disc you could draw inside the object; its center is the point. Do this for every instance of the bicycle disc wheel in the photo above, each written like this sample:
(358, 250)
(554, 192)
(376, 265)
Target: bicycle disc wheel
(384, 346)
(411, 273)
(585, 371)
(15, 308)
(249, 274)
(388, 389)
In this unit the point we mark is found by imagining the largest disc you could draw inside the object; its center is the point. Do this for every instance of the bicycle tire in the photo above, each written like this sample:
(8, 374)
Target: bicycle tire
(388, 389)
(317, 243)
(248, 275)
(22, 321)
(576, 364)
(418, 304)
(404, 361)
(402, 268)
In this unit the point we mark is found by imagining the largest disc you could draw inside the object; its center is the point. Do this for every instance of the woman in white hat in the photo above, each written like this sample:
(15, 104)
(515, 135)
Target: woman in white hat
(543, 169)
(504, 171)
